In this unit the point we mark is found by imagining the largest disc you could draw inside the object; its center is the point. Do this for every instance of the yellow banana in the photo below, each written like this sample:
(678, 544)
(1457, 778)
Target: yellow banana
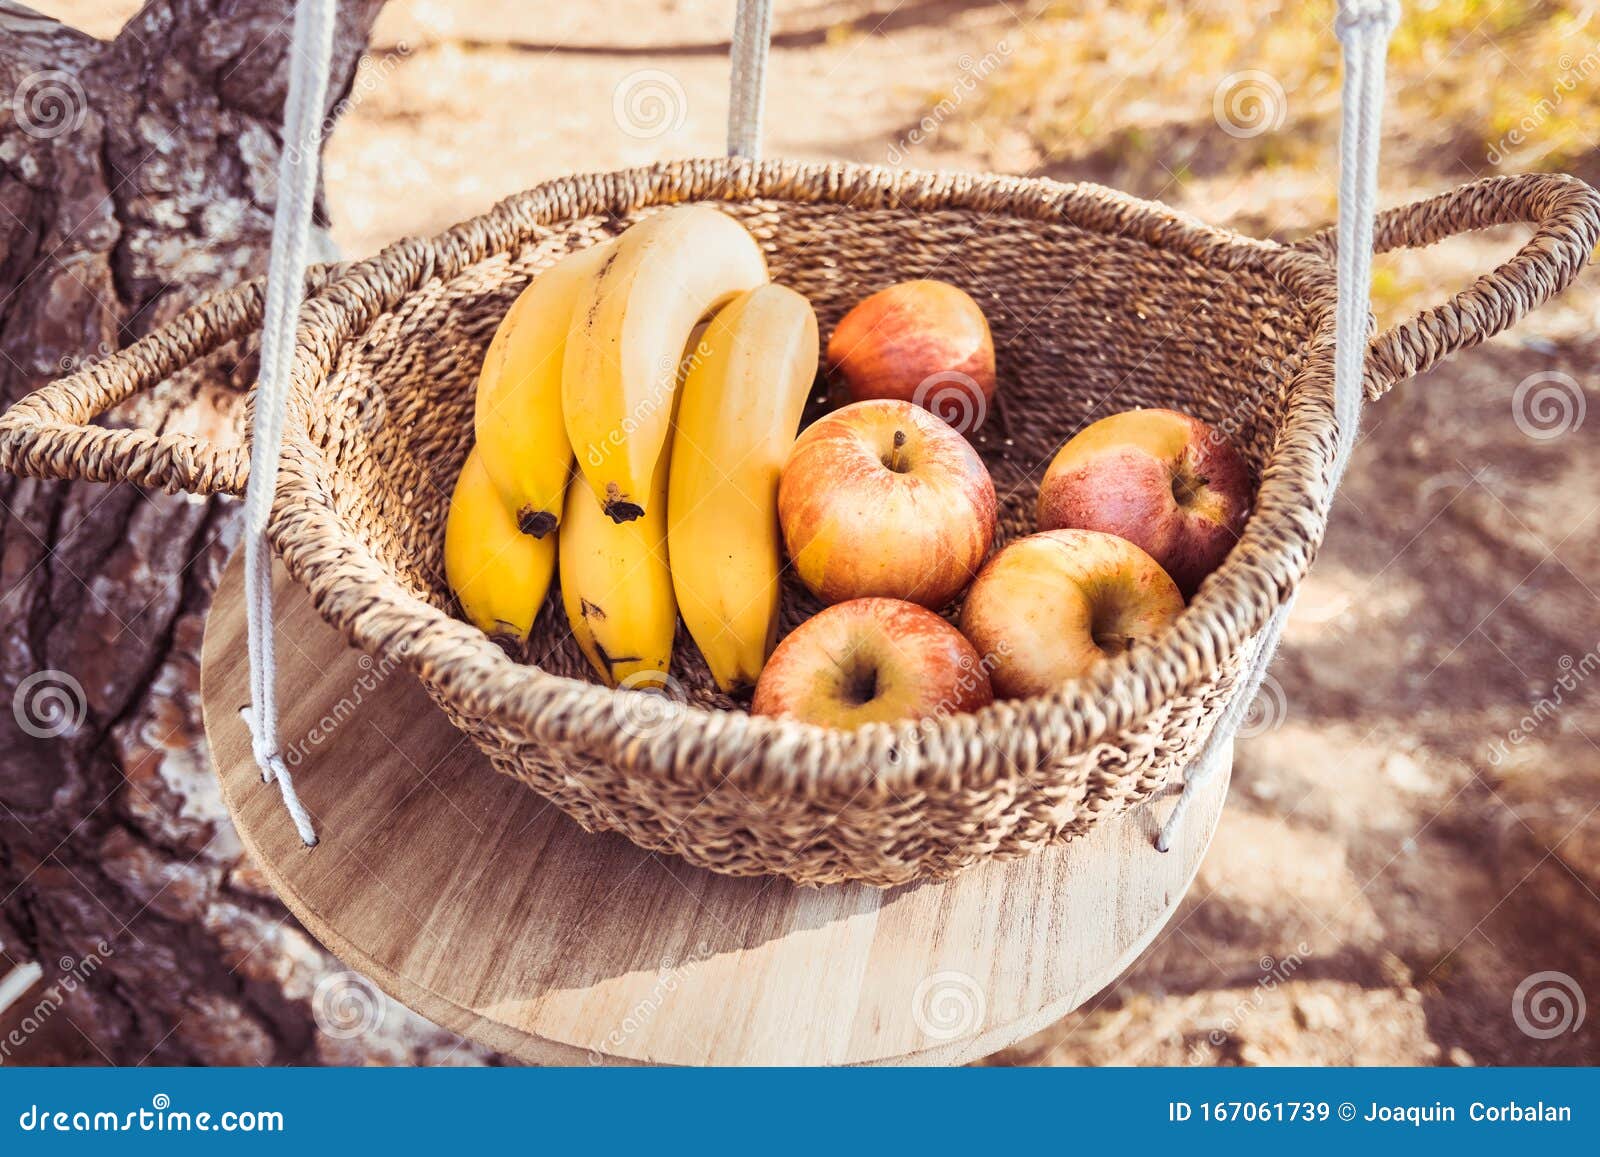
(616, 585)
(740, 407)
(517, 415)
(499, 575)
(629, 327)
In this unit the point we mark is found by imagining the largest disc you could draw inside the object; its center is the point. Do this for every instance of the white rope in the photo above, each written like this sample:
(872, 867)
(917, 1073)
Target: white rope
(310, 53)
(1364, 28)
(747, 86)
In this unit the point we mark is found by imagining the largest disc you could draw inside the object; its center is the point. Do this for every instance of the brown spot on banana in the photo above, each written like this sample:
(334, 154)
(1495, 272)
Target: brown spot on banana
(618, 508)
(538, 523)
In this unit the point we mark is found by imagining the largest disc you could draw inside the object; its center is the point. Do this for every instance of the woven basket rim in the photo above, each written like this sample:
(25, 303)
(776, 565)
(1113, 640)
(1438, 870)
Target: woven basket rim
(358, 593)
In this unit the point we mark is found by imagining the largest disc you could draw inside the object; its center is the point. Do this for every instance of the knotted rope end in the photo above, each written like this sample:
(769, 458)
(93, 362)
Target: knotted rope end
(275, 770)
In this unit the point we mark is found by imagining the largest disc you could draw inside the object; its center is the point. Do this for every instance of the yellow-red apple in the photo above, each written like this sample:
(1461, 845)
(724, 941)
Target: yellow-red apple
(881, 498)
(872, 661)
(1162, 480)
(1049, 607)
(925, 342)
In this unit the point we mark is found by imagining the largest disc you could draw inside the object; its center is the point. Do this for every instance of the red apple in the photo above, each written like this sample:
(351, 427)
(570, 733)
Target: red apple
(925, 342)
(882, 498)
(872, 661)
(1162, 480)
(1049, 607)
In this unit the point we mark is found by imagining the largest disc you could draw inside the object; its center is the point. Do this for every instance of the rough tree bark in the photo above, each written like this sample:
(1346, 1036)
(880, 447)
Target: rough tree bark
(136, 175)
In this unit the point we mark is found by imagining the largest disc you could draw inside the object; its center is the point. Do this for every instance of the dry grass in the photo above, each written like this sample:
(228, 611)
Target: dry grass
(1135, 91)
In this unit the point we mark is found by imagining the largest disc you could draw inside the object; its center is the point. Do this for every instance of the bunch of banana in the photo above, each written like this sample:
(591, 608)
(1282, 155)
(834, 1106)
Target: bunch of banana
(629, 327)
(517, 413)
(741, 404)
(499, 574)
(592, 358)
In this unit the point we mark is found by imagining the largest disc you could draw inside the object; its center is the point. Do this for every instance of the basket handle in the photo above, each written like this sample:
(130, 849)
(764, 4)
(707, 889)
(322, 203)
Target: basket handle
(1566, 213)
(48, 434)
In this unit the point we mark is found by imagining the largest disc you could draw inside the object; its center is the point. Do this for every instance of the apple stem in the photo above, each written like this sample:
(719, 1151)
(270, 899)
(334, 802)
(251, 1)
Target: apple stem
(896, 460)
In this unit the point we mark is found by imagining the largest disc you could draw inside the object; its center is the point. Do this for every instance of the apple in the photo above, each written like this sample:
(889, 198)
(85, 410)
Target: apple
(1049, 607)
(872, 661)
(925, 342)
(1158, 478)
(881, 498)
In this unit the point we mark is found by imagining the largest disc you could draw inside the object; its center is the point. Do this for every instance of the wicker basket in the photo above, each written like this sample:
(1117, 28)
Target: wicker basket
(1098, 302)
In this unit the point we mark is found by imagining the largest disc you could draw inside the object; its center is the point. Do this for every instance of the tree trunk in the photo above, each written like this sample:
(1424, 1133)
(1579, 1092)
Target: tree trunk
(137, 175)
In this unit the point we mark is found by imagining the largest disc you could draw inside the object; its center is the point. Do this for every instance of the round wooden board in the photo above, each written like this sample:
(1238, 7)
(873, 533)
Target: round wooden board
(469, 898)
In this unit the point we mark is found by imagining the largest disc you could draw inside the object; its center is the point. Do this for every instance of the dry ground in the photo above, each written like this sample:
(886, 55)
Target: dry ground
(1387, 844)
